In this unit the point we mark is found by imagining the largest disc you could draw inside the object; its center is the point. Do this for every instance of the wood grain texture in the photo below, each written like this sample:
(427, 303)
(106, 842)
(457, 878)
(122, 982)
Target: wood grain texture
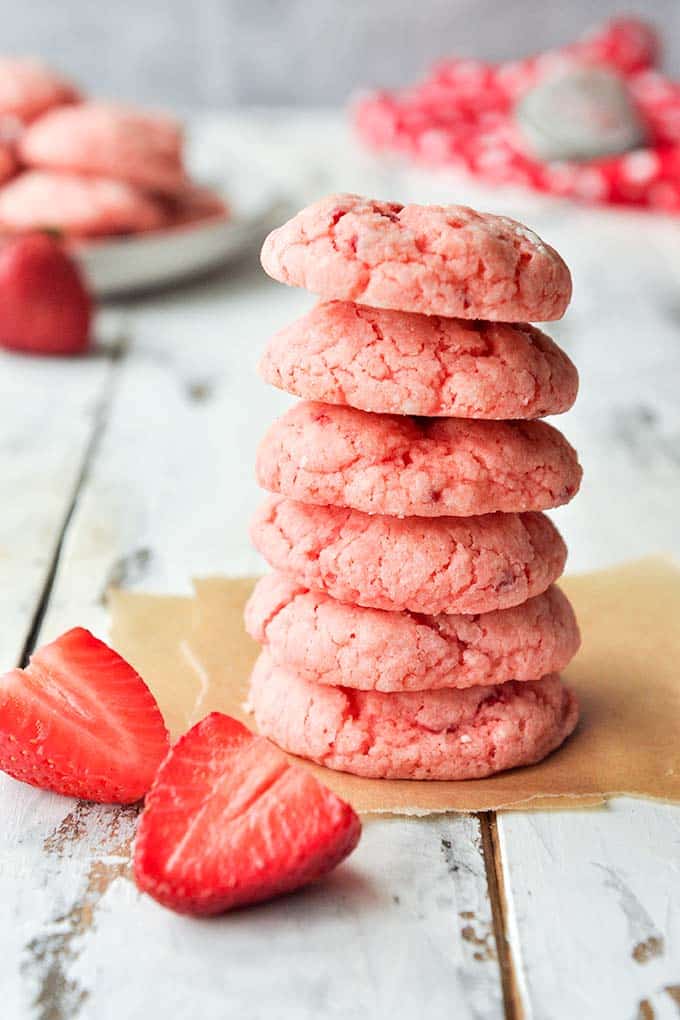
(51, 411)
(595, 909)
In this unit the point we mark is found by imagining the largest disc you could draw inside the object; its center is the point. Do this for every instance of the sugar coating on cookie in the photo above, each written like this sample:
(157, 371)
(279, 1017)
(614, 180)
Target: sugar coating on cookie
(402, 363)
(325, 641)
(445, 734)
(144, 149)
(426, 565)
(438, 260)
(429, 467)
(28, 89)
(77, 206)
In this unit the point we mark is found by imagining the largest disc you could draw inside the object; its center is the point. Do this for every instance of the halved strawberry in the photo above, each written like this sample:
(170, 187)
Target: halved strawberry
(80, 721)
(230, 821)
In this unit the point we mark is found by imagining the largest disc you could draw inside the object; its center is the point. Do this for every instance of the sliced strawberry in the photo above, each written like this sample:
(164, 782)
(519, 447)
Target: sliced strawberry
(230, 821)
(45, 307)
(80, 721)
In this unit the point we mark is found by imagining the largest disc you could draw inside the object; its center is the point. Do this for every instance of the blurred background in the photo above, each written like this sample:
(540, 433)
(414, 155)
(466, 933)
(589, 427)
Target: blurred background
(217, 53)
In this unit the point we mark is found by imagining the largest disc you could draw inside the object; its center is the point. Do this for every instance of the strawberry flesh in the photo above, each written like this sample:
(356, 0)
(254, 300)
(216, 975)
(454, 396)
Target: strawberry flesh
(230, 821)
(45, 307)
(80, 721)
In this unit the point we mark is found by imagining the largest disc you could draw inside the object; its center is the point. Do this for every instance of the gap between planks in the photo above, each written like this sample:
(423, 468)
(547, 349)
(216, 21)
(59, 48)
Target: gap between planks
(512, 1000)
(116, 355)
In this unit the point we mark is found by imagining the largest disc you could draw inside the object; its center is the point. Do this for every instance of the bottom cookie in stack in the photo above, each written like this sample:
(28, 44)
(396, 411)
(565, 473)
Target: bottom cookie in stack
(446, 734)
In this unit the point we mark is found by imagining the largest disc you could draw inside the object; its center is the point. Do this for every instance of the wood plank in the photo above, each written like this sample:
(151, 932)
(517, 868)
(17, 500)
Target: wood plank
(51, 410)
(168, 493)
(403, 922)
(594, 910)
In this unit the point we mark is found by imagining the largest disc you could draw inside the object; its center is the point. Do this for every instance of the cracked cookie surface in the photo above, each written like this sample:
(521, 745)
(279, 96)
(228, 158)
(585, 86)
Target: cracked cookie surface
(329, 642)
(446, 734)
(437, 260)
(426, 467)
(426, 565)
(403, 363)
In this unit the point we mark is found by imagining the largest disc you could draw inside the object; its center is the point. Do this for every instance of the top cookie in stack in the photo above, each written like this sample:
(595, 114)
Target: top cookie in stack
(408, 488)
(433, 259)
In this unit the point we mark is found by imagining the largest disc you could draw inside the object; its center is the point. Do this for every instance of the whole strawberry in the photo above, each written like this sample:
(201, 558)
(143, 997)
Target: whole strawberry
(45, 307)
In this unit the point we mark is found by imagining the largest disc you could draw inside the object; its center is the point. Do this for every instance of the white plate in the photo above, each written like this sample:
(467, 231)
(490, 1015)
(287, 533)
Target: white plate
(122, 265)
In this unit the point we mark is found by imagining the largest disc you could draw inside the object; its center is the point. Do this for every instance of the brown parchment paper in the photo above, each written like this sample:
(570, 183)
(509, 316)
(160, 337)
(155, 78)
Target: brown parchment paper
(196, 657)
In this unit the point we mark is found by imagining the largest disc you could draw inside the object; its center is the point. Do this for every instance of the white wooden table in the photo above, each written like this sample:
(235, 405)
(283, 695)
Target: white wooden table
(135, 467)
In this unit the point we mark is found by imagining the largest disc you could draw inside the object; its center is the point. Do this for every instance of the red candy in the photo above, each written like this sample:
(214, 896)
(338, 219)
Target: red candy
(461, 115)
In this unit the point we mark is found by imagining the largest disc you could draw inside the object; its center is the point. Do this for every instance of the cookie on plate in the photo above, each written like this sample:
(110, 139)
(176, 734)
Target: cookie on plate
(445, 734)
(196, 204)
(426, 565)
(434, 259)
(329, 642)
(423, 467)
(76, 206)
(8, 163)
(28, 89)
(402, 363)
(143, 149)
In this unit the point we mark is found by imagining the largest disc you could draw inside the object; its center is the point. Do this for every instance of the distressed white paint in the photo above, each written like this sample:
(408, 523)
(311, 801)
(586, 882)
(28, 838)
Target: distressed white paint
(595, 906)
(49, 412)
(168, 493)
(379, 938)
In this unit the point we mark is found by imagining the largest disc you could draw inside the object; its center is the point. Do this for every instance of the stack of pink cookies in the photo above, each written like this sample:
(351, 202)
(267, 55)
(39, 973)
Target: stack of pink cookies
(85, 168)
(411, 627)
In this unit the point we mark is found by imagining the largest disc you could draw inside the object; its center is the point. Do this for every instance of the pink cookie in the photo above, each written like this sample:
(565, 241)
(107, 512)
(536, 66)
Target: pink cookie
(329, 642)
(401, 363)
(434, 259)
(76, 206)
(446, 734)
(196, 204)
(423, 467)
(28, 89)
(8, 163)
(442, 565)
(141, 148)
